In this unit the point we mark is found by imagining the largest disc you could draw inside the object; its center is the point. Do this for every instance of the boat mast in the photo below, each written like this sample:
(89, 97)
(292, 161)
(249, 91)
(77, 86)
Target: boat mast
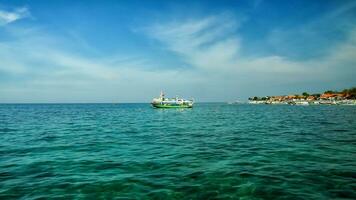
(161, 96)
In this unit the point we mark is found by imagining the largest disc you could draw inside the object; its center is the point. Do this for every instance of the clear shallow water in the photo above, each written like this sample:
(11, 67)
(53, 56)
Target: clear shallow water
(132, 151)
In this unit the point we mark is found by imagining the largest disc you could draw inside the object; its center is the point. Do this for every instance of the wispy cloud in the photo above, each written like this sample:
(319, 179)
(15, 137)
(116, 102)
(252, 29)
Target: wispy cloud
(37, 65)
(212, 44)
(7, 17)
(40, 69)
(188, 36)
(314, 37)
(347, 7)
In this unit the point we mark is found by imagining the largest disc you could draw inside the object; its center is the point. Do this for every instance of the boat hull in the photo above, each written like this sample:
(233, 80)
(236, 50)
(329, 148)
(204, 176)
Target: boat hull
(171, 106)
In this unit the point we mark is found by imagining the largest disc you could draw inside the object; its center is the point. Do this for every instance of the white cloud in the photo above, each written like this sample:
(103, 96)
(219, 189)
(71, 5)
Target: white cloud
(37, 69)
(213, 45)
(193, 34)
(7, 17)
(45, 71)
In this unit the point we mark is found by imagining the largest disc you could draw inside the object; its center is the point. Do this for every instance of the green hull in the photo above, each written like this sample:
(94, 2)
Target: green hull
(171, 106)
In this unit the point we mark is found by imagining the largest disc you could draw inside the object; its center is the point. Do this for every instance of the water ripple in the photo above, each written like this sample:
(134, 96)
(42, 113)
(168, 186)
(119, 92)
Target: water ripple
(213, 151)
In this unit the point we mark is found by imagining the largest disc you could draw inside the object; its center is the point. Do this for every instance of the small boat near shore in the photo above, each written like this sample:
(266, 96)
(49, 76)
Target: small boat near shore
(162, 102)
(301, 103)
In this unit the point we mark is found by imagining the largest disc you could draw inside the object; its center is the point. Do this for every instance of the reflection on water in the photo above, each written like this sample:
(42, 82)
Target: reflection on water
(211, 151)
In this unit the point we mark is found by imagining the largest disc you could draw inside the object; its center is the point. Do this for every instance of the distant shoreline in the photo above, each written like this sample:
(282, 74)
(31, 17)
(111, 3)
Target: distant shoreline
(344, 97)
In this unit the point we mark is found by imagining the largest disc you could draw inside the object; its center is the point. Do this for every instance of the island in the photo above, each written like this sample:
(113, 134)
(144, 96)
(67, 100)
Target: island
(344, 97)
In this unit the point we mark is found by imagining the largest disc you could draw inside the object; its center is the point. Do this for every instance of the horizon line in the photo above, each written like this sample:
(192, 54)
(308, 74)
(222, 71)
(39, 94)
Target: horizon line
(99, 102)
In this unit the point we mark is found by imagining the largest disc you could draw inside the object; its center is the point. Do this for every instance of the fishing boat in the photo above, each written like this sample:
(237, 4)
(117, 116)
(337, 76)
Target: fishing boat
(162, 102)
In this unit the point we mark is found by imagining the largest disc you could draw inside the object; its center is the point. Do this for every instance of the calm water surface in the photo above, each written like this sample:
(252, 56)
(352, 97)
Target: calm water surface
(213, 151)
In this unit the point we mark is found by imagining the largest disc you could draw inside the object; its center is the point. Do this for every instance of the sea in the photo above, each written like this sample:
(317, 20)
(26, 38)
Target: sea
(212, 151)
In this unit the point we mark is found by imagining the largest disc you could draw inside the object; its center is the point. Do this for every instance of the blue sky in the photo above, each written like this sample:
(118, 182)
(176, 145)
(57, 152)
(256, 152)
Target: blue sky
(127, 51)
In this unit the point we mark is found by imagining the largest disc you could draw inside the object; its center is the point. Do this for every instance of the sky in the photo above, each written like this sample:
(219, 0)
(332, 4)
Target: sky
(128, 51)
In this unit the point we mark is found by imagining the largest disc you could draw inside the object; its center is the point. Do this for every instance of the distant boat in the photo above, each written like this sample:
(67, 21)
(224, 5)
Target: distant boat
(162, 102)
(235, 102)
(301, 103)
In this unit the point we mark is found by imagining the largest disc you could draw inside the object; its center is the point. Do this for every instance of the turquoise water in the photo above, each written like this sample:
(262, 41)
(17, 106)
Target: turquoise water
(213, 151)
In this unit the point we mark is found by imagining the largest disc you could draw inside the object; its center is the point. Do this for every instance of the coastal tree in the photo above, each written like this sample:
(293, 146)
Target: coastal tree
(265, 98)
(316, 95)
(329, 92)
(305, 94)
(352, 93)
